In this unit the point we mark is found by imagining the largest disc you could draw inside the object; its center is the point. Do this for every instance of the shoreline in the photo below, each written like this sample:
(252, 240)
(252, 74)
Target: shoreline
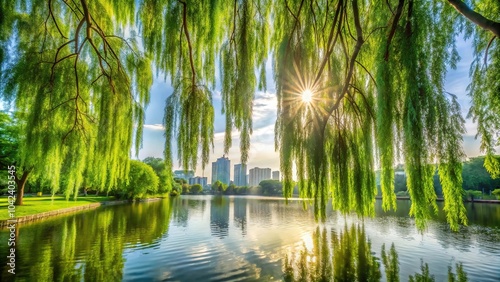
(39, 216)
(44, 215)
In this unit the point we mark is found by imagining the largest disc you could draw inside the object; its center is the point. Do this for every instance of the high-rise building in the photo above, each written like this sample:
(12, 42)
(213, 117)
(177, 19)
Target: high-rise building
(184, 174)
(256, 175)
(221, 170)
(198, 180)
(240, 175)
(276, 175)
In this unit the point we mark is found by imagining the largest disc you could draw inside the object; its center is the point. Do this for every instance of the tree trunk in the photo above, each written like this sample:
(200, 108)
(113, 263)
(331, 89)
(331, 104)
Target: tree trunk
(21, 182)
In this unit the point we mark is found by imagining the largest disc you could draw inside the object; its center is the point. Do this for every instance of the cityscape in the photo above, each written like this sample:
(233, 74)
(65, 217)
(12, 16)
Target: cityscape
(221, 171)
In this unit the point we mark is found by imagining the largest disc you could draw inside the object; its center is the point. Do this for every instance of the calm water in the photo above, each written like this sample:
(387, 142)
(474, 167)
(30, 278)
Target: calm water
(205, 238)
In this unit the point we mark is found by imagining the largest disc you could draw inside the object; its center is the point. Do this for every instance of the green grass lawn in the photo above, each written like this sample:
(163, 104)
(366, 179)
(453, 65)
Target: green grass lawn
(33, 205)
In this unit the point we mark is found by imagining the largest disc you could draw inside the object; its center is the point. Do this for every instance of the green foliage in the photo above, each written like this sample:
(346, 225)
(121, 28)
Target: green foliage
(425, 276)
(402, 194)
(37, 205)
(484, 86)
(236, 190)
(180, 180)
(165, 176)
(400, 183)
(496, 192)
(476, 177)
(9, 141)
(391, 264)
(376, 71)
(142, 180)
(196, 189)
(185, 188)
(80, 85)
(271, 187)
(472, 194)
(345, 256)
(461, 275)
(219, 187)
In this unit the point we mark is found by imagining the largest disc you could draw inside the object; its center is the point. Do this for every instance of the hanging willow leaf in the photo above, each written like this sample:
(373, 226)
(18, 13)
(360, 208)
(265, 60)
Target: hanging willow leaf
(374, 72)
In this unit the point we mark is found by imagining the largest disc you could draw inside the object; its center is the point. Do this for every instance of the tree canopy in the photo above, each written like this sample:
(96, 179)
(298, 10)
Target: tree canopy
(141, 180)
(165, 176)
(373, 72)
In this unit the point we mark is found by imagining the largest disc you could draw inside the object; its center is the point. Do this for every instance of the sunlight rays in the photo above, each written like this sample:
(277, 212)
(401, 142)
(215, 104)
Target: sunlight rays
(304, 97)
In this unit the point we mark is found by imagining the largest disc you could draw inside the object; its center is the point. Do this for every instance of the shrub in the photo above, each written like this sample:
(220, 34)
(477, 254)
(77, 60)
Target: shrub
(472, 194)
(142, 180)
(402, 194)
(185, 188)
(196, 189)
(496, 192)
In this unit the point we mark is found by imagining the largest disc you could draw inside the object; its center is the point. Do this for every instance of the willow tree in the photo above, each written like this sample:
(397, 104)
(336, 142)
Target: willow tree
(360, 85)
(354, 80)
(189, 39)
(81, 86)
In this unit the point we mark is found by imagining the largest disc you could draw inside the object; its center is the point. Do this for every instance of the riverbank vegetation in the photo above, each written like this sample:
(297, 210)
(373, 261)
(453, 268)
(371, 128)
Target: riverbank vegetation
(35, 205)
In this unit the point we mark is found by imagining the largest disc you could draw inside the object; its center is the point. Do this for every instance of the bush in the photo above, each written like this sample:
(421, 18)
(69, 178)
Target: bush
(142, 180)
(472, 194)
(496, 192)
(165, 177)
(196, 189)
(402, 194)
(185, 188)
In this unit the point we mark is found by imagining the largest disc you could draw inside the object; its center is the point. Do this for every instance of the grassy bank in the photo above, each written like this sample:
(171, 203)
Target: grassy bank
(34, 205)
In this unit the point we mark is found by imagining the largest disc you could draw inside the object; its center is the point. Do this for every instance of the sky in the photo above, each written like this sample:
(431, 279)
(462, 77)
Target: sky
(262, 153)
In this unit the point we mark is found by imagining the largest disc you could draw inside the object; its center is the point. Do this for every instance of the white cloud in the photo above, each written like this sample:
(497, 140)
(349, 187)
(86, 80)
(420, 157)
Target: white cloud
(154, 126)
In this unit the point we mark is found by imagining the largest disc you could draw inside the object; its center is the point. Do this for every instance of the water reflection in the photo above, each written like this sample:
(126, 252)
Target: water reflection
(247, 239)
(240, 214)
(86, 246)
(219, 216)
(347, 256)
(391, 264)
(342, 256)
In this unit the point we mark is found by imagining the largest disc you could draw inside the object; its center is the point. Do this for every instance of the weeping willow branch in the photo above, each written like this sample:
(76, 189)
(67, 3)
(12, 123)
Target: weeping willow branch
(478, 19)
(357, 48)
(394, 25)
(190, 48)
(51, 13)
(331, 42)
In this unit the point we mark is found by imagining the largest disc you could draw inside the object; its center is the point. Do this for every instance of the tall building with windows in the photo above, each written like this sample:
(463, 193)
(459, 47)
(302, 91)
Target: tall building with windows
(240, 175)
(256, 175)
(198, 180)
(221, 170)
(276, 175)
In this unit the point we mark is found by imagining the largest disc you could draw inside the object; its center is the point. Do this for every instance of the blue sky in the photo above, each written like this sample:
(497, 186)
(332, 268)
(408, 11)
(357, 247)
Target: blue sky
(262, 152)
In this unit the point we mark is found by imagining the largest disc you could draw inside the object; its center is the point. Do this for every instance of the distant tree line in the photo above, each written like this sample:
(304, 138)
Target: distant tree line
(476, 180)
(265, 188)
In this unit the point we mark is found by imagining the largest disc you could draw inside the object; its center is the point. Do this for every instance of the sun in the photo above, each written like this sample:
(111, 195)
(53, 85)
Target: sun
(307, 96)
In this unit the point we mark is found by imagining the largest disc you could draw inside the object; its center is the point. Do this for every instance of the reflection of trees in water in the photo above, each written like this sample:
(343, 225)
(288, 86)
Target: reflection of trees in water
(341, 257)
(180, 211)
(240, 214)
(347, 256)
(87, 246)
(182, 207)
(391, 264)
(262, 210)
(219, 216)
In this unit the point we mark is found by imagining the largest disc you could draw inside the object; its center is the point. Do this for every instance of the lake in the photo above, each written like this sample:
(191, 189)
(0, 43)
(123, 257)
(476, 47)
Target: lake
(219, 238)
